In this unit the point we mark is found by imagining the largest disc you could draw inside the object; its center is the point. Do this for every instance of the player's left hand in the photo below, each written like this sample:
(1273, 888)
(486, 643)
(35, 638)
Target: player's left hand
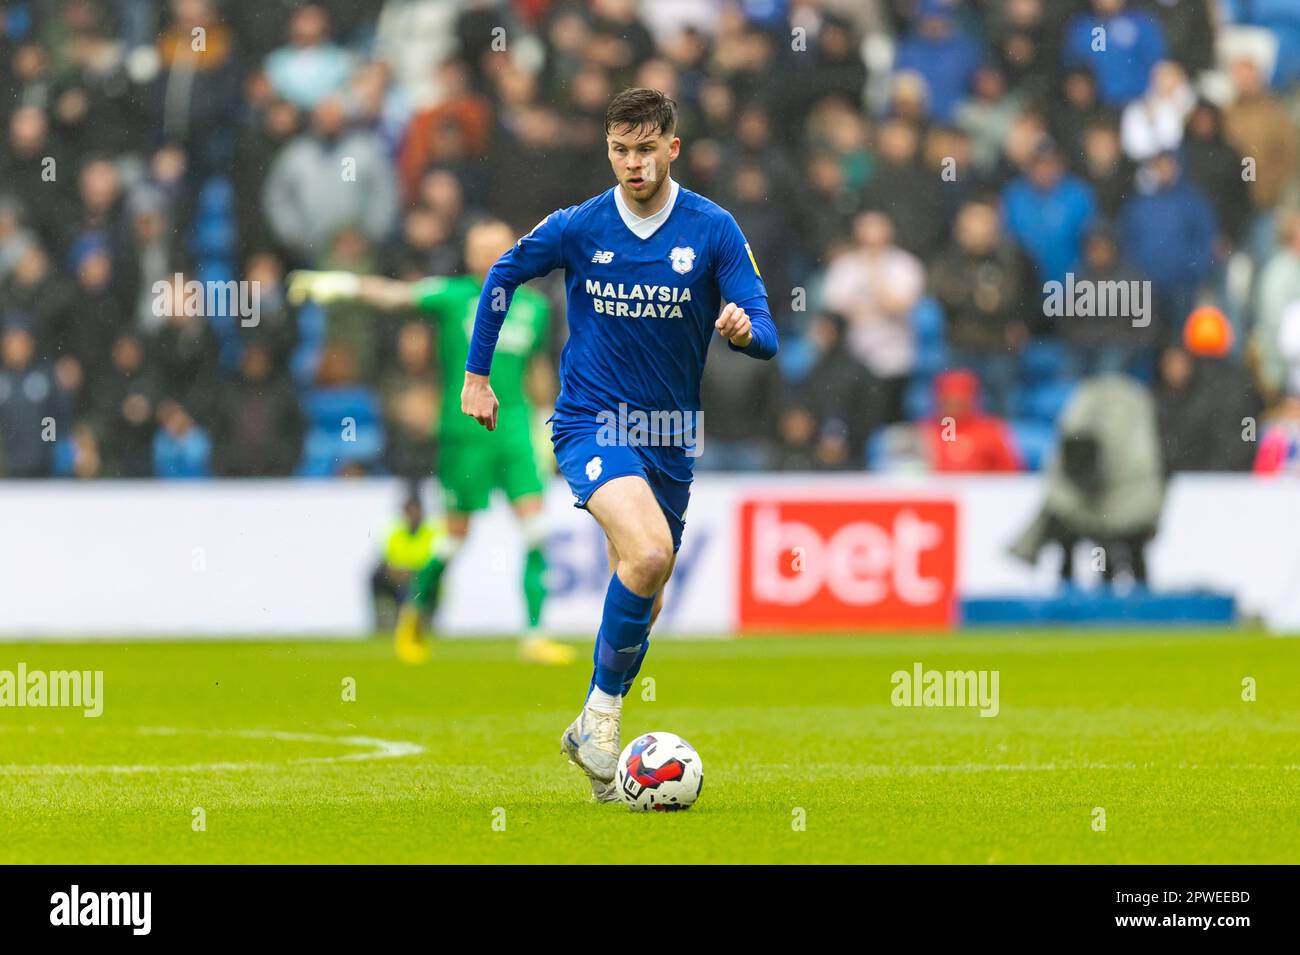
(478, 400)
(733, 325)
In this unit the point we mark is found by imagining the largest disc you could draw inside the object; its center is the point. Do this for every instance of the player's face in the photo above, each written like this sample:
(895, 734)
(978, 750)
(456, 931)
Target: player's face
(640, 159)
(484, 245)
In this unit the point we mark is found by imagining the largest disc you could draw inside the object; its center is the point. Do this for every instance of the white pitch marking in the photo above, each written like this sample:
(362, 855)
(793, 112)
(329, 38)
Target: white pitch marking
(378, 749)
(893, 770)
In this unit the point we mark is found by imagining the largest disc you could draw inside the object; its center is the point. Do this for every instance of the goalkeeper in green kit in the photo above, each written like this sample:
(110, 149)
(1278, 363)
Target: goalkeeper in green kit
(472, 461)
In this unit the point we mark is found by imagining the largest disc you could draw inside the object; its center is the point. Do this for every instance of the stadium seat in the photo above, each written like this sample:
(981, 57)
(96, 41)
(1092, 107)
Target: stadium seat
(1034, 440)
(1044, 360)
(878, 450)
(214, 236)
(64, 457)
(1043, 402)
(795, 359)
(305, 359)
(931, 345)
(182, 458)
(215, 233)
(216, 197)
(918, 399)
(931, 359)
(927, 322)
(224, 323)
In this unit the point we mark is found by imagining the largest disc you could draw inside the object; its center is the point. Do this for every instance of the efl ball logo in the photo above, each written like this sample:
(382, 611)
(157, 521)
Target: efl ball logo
(847, 565)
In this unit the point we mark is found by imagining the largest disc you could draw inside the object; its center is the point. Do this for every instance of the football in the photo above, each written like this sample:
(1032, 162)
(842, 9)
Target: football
(659, 771)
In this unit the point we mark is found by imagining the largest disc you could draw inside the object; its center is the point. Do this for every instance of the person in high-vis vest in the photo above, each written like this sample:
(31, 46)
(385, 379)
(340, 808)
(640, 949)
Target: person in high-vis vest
(409, 544)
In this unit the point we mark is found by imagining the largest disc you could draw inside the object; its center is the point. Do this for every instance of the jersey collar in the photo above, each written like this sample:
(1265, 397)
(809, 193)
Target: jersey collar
(643, 228)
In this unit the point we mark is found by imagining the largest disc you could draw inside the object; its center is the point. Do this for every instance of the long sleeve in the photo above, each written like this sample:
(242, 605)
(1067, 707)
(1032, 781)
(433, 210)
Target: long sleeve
(739, 281)
(765, 342)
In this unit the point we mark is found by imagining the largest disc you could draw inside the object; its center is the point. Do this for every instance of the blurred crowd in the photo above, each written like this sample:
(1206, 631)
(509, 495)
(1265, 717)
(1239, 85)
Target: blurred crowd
(912, 175)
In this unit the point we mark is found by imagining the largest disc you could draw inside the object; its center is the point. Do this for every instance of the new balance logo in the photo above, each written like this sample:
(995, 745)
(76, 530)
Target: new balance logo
(603, 258)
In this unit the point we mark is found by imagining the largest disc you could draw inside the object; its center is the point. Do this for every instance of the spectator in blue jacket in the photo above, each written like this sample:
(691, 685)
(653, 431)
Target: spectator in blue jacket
(947, 59)
(1168, 231)
(311, 67)
(1047, 212)
(181, 449)
(1119, 46)
(27, 421)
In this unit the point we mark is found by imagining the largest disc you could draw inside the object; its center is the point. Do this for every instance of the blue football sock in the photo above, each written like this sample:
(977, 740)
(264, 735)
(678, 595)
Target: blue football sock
(621, 640)
(630, 676)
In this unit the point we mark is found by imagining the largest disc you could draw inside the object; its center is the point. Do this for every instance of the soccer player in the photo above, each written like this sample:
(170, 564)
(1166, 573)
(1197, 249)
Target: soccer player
(648, 265)
(470, 463)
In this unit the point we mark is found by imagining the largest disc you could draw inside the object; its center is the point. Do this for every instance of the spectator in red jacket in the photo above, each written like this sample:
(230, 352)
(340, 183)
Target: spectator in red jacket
(960, 436)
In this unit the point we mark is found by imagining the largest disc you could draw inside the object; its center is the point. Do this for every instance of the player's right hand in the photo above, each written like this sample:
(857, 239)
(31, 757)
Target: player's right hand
(478, 400)
(323, 287)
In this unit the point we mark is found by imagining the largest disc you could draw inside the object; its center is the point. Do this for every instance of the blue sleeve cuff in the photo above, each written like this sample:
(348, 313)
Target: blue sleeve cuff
(764, 340)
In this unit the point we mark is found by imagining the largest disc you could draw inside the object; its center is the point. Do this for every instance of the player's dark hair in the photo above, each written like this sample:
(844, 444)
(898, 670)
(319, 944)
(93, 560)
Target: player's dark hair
(637, 107)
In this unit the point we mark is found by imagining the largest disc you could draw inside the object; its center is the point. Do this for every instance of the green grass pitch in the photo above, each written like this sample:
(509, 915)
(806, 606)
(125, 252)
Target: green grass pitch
(1149, 727)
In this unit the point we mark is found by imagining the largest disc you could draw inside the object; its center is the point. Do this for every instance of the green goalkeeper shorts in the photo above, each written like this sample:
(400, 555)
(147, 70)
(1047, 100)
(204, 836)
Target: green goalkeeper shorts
(470, 468)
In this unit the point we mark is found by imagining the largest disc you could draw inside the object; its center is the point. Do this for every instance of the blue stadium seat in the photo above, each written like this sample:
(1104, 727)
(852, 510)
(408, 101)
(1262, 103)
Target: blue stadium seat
(931, 344)
(305, 359)
(214, 236)
(64, 457)
(1044, 360)
(1043, 402)
(311, 323)
(224, 320)
(215, 232)
(931, 358)
(795, 359)
(304, 363)
(918, 399)
(927, 322)
(878, 450)
(1034, 440)
(216, 269)
(216, 197)
(185, 458)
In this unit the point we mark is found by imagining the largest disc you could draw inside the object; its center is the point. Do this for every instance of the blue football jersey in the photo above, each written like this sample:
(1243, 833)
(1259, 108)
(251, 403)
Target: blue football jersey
(641, 311)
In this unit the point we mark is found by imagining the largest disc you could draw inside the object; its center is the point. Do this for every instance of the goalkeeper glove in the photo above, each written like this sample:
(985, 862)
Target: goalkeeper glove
(323, 287)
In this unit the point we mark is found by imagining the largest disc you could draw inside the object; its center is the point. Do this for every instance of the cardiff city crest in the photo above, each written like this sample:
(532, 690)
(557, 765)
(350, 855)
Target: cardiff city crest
(683, 259)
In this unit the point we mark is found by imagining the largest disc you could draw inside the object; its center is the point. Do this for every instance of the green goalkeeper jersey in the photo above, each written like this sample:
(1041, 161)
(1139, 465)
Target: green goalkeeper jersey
(523, 333)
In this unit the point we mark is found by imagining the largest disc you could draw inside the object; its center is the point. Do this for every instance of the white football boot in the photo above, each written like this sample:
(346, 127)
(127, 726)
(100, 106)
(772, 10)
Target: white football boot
(591, 743)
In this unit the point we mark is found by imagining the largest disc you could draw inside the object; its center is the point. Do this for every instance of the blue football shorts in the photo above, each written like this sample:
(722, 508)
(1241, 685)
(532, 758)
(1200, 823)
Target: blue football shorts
(587, 463)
